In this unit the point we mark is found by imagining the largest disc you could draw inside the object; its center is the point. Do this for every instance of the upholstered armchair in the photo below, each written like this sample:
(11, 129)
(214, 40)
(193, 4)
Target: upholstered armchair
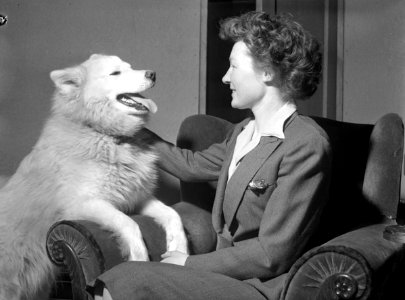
(348, 258)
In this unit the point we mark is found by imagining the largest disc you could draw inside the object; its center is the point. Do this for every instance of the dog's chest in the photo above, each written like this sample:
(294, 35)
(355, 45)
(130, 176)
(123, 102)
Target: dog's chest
(119, 172)
(132, 166)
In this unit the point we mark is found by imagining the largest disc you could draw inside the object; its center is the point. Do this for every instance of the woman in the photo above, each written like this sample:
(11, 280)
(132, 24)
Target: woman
(272, 175)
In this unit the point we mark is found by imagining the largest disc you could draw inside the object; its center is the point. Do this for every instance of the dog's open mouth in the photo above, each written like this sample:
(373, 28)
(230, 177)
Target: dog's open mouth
(138, 102)
(129, 100)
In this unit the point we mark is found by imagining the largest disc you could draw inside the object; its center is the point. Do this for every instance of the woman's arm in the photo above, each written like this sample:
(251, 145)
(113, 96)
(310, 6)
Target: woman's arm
(187, 165)
(191, 166)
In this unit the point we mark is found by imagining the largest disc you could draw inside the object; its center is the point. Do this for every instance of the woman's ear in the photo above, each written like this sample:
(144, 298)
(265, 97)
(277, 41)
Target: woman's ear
(268, 76)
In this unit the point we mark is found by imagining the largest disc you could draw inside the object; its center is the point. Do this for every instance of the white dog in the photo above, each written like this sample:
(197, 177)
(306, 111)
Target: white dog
(83, 167)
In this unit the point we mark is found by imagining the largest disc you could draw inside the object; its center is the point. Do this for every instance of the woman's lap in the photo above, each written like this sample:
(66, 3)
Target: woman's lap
(154, 280)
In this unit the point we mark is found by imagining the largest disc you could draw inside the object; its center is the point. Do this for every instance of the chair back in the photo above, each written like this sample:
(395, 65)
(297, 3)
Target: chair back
(366, 170)
(366, 174)
(197, 133)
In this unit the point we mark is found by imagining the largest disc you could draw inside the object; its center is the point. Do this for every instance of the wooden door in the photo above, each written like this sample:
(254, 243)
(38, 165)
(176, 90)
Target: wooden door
(218, 95)
(320, 18)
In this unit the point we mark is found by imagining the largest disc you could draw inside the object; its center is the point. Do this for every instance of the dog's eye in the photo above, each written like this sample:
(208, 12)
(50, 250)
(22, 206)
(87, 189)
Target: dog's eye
(115, 73)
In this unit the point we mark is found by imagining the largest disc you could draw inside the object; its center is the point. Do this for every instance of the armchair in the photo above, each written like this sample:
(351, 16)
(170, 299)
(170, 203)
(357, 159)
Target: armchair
(348, 257)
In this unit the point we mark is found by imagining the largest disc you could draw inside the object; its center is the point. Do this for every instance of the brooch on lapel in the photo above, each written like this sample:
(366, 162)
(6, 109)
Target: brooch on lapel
(258, 185)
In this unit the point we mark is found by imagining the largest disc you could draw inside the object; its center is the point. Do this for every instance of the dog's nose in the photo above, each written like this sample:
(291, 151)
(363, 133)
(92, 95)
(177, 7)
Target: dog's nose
(150, 75)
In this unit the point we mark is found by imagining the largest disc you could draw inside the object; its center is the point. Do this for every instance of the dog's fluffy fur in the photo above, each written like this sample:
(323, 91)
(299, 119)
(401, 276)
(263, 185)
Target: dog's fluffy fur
(83, 167)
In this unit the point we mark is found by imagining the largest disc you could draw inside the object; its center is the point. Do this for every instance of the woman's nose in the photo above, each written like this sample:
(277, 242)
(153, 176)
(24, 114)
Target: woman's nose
(225, 79)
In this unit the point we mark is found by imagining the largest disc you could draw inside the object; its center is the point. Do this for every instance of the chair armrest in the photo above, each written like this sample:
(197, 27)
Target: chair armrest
(86, 250)
(347, 267)
(197, 223)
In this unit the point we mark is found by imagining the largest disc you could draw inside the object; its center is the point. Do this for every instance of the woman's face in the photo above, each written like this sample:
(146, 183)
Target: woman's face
(245, 80)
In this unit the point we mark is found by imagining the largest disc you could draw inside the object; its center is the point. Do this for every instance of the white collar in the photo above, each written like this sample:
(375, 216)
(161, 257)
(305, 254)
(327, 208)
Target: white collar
(249, 138)
(274, 126)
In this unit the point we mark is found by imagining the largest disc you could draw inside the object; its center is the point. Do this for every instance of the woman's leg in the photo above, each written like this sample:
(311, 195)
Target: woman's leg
(154, 280)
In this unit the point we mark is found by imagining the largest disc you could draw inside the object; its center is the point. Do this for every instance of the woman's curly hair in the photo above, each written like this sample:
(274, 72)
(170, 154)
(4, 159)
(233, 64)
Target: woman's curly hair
(279, 43)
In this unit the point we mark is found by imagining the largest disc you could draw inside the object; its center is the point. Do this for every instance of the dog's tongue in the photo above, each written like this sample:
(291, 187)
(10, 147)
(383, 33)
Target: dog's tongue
(148, 103)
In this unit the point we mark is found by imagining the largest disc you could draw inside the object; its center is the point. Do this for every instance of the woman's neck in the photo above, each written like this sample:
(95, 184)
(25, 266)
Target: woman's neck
(268, 107)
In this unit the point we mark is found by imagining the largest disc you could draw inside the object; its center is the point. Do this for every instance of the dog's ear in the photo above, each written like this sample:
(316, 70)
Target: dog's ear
(95, 56)
(67, 79)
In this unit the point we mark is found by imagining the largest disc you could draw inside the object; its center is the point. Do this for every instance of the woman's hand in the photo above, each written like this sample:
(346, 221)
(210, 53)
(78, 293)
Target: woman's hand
(174, 257)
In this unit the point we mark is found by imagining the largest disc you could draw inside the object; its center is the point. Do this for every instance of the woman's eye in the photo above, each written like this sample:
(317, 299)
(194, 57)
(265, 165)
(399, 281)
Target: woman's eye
(116, 73)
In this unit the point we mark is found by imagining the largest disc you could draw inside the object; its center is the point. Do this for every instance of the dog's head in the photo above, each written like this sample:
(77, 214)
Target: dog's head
(104, 93)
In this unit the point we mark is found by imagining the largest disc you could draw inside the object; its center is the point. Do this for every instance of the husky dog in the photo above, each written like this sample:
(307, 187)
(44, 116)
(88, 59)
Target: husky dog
(84, 167)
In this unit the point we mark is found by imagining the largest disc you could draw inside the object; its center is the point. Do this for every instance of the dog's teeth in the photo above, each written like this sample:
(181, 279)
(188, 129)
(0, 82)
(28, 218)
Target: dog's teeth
(127, 100)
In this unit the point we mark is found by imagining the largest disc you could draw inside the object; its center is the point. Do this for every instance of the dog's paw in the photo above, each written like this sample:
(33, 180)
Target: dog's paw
(138, 254)
(132, 245)
(177, 243)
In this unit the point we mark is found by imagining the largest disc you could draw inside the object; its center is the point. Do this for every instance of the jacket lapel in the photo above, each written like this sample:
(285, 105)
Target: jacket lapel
(234, 189)
(217, 215)
(248, 167)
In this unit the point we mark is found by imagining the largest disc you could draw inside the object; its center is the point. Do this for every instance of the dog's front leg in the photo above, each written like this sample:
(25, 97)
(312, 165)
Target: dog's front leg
(123, 227)
(170, 220)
